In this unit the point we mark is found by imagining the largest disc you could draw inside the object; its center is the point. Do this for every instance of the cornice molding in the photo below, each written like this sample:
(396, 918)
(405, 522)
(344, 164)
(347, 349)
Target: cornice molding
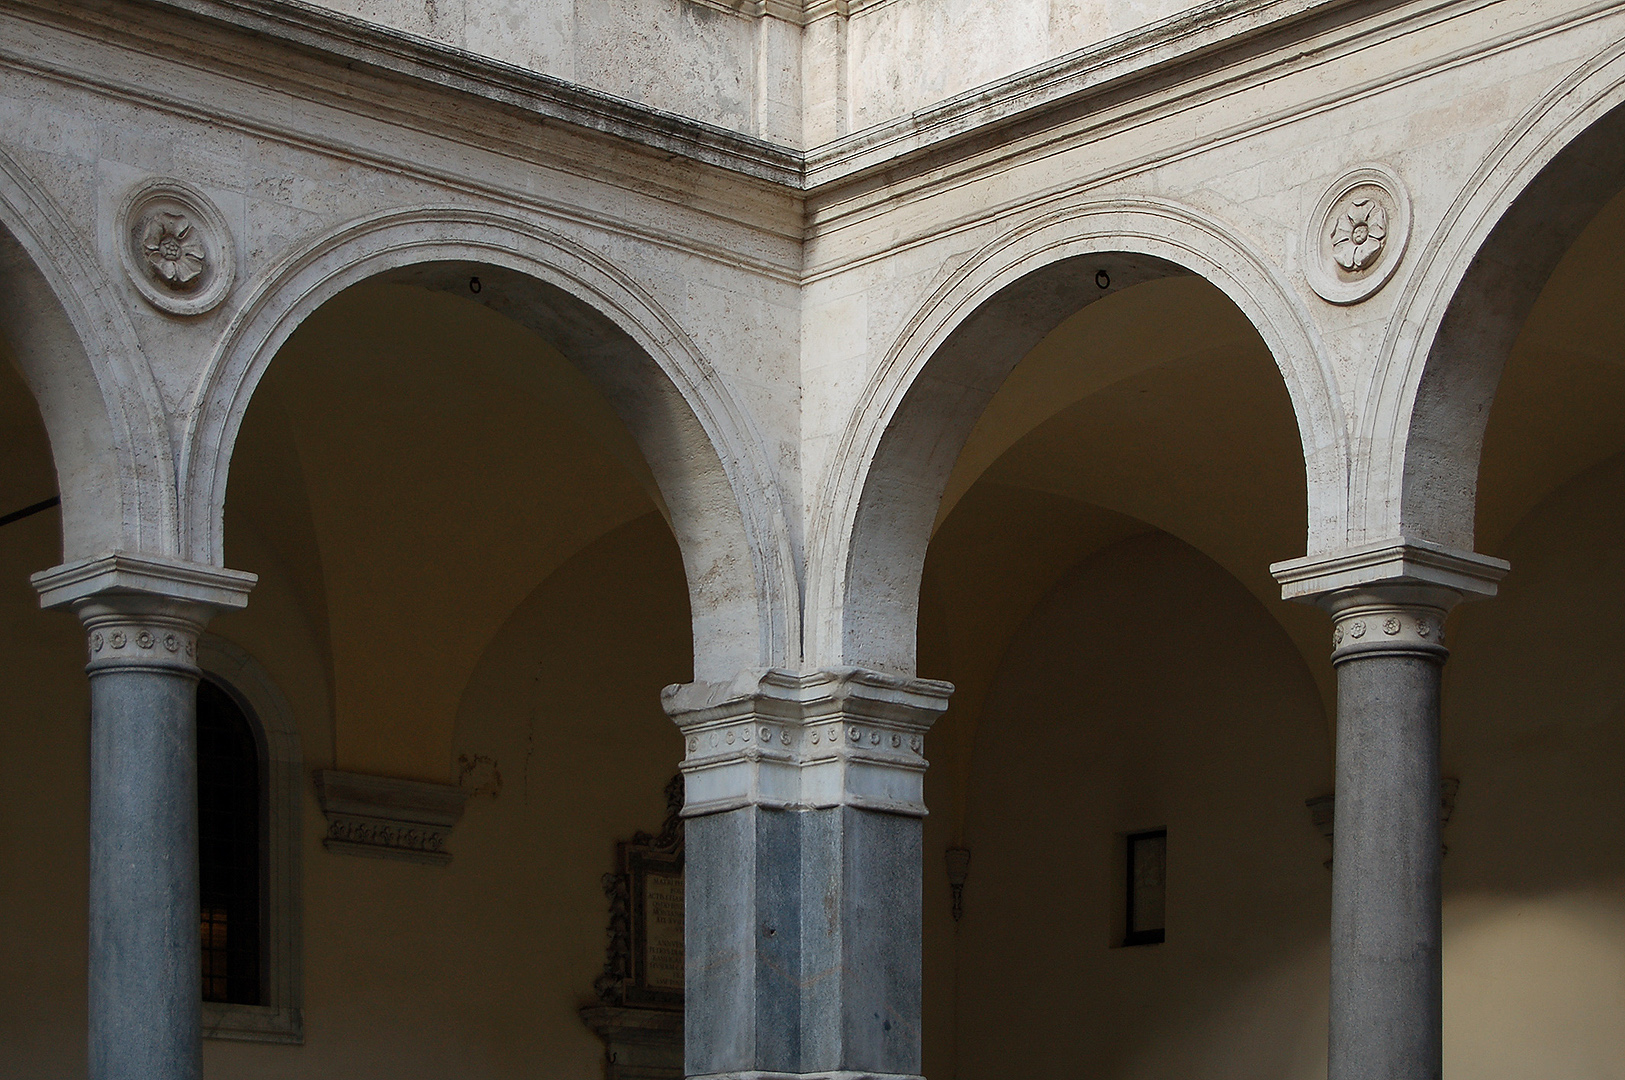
(1218, 32)
(384, 817)
(788, 740)
(121, 574)
(795, 12)
(1405, 561)
(1153, 49)
(359, 43)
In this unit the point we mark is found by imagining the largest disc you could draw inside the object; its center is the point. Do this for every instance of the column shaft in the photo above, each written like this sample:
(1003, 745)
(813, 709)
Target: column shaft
(1386, 1016)
(145, 988)
(142, 618)
(1388, 601)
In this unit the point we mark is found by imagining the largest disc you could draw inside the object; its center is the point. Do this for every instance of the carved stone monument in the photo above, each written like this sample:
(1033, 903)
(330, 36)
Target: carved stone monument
(639, 1014)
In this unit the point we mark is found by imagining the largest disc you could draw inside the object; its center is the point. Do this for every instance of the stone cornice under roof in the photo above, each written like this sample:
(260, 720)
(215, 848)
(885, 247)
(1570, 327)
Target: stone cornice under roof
(1189, 44)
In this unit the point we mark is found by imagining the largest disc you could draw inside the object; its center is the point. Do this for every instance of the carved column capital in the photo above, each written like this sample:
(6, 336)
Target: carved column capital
(142, 612)
(800, 741)
(1389, 622)
(1389, 599)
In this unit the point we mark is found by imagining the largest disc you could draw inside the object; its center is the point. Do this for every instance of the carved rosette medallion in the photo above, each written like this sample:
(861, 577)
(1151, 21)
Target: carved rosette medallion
(1357, 234)
(175, 247)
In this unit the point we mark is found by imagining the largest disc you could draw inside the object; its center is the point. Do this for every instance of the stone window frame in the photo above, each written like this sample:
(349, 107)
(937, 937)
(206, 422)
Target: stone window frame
(281, 1018)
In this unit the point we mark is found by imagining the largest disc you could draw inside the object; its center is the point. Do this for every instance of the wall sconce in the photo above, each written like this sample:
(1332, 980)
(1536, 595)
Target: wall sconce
(1323, 811)
(958, 860)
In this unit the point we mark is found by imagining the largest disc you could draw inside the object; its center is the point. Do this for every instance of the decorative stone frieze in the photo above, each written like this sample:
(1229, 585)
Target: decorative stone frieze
(387, 818)
(829, 738)
(1375, 628)
(1357, 234)
(175, 247)
(150, 640)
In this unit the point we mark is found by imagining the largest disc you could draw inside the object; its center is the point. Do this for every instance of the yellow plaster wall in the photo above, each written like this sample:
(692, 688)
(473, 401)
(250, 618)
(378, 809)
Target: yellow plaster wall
(44, 770)
(451, 460)
(477, 969)
(1147, 690)
(1534, 726)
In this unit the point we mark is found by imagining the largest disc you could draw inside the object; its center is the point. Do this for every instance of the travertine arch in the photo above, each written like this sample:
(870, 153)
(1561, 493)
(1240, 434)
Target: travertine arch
(96, 393)
(873, 521)
(699, 444)
(1463, 307)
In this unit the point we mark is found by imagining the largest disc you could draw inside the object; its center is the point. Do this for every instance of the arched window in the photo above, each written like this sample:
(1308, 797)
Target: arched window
(231, 847)
(249, 774)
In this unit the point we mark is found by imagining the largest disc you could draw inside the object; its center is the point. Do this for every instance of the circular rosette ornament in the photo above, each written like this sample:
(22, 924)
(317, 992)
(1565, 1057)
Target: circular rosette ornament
(173, 250)
(1357, 234)
(175, 247)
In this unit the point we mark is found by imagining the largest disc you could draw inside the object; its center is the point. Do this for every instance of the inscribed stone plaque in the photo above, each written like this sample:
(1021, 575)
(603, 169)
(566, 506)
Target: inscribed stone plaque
(663, 927)
(643, 966)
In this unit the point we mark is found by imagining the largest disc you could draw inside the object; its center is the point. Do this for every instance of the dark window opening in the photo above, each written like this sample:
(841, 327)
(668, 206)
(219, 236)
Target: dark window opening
(1147, 890)
(229, 831)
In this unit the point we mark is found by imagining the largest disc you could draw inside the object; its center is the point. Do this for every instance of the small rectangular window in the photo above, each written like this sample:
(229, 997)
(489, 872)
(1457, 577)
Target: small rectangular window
(1147, 889)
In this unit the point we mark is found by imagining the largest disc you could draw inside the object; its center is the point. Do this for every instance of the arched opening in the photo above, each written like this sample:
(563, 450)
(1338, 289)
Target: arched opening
(75, 350)
(44, 753)
(889, 477)
(1487, 309)
(468, 586)
(715, 487)
(1534, 699)
(1096, 586)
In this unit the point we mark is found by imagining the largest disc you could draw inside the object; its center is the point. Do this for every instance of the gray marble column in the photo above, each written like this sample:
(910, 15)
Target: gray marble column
(1386, 997)
(805, 795)
(142, 619)
(1388, 606)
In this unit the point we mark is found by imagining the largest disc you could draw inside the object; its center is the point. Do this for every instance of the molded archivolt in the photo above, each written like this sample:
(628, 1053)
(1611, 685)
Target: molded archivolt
(82, 361)
(705, 457)
(1465, 305)
(873, 523)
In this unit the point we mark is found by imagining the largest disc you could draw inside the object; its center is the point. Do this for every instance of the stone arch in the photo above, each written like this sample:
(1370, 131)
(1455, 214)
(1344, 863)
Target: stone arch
(699, 444)
(85, 367)
(1476, 281)
(869, 538)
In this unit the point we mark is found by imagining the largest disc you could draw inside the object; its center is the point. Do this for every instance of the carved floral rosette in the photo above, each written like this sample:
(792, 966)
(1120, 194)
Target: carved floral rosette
(118, 641)
(174, 245)
(1357, 234)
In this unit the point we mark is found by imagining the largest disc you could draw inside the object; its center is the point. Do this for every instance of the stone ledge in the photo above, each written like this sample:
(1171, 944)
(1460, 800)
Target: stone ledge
(383, 817)
(1401, 561)
(143, 575)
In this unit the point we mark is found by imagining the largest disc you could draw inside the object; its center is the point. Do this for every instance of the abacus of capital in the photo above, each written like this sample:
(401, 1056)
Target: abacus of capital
(1388, 604)
(805, 794)
(142, 617)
